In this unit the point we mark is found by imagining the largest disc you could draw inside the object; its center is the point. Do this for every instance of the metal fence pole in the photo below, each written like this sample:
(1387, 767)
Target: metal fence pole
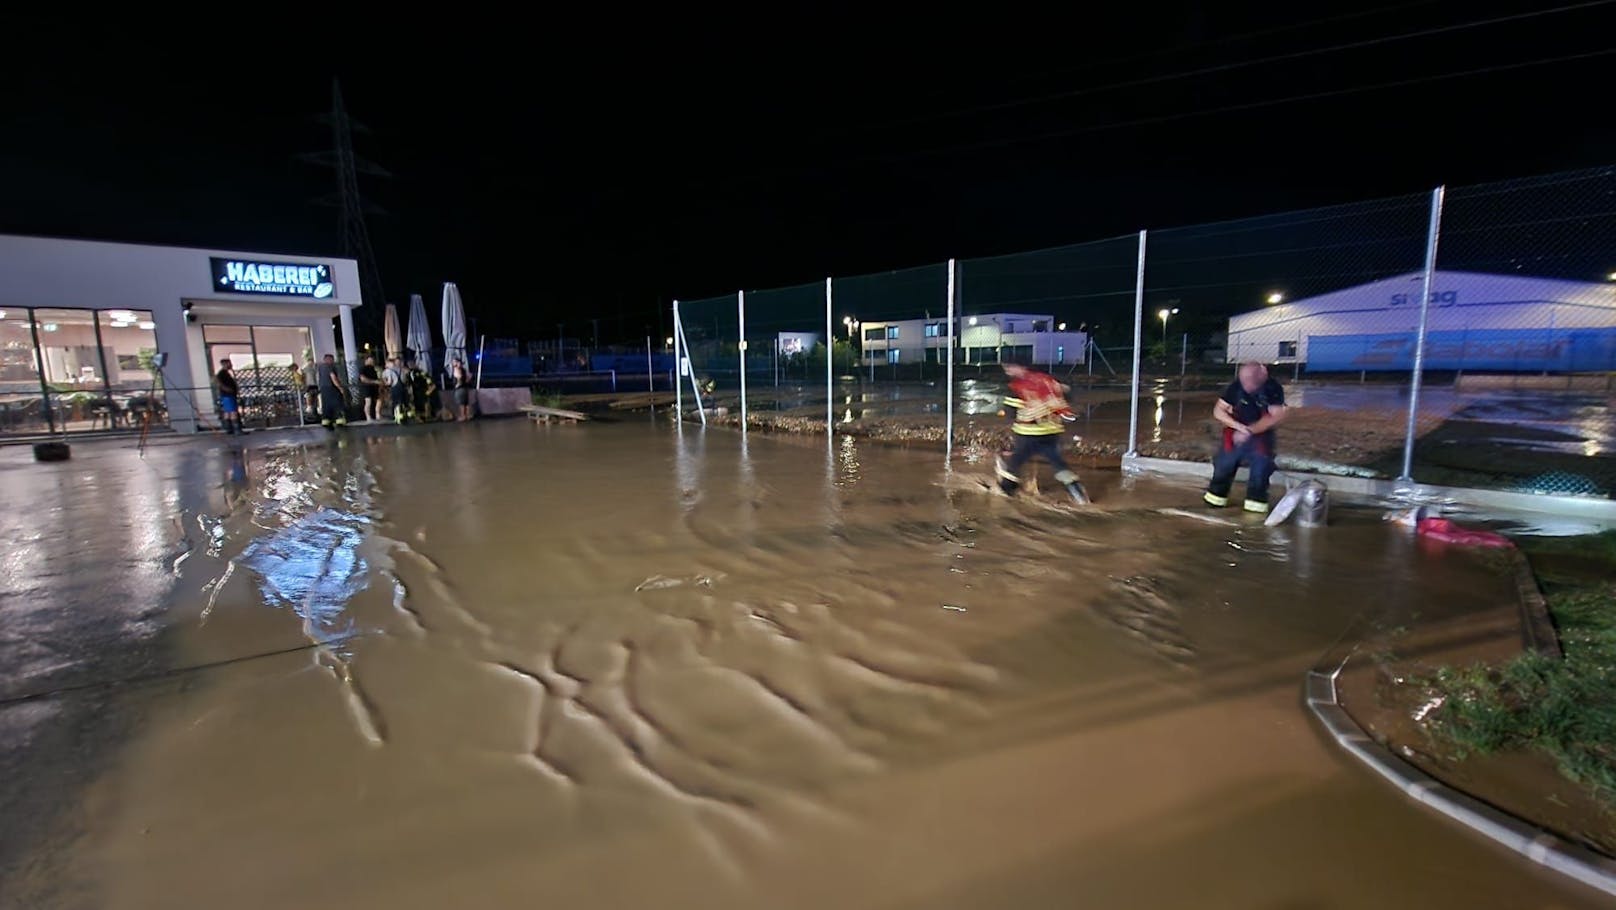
(650, 377)
(830, 357)
(740, 310)
(1138, 342)
(678, 390)
(1419, 338)
(948, 374)
(695, 390)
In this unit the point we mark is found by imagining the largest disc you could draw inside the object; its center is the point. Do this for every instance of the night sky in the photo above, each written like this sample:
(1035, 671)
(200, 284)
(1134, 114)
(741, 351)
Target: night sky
(562, 167)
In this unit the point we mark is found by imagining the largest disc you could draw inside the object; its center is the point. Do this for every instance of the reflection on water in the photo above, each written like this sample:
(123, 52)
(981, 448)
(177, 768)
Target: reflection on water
(613, 648)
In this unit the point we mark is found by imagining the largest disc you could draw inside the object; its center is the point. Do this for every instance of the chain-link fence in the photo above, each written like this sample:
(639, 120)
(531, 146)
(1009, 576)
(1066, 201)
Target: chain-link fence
(1465, 337)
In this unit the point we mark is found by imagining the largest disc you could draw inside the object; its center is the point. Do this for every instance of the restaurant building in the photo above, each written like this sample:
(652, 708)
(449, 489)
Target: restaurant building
(99, 336)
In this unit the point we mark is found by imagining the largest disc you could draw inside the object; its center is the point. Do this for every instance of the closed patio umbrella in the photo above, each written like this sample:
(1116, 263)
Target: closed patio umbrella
(391, 336)
(419, 338)
(454, 323)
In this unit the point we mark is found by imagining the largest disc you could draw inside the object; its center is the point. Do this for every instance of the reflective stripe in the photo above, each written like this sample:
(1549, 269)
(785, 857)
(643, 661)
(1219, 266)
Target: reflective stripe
(1014, 402)
(1213, 499)
(1036, 429)
(1253, 506)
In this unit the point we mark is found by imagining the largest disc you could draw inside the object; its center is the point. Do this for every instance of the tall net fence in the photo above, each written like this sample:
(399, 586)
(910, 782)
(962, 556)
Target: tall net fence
(1520, 348)
(1308, 294)
(1051, 308)
(1462, 337)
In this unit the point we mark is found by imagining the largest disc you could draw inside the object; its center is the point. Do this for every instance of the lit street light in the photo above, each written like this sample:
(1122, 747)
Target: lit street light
(1163, 314)
(851, 324)
(668, 343)
(1061, 327)
(1275, 297)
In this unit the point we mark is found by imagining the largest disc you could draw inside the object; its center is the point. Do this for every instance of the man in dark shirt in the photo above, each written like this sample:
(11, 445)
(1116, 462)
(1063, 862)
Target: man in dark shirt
(333, 397)
(1249, 410)
(229, 391)
(371, 385)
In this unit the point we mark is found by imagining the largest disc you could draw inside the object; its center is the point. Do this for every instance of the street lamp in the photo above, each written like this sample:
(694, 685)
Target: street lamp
(667, 343)
(1275, 297)
(852, 324)
(1061, 327)
(1163, 314)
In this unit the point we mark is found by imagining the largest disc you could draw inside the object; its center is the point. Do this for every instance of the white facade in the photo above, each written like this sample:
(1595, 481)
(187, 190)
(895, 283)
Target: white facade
(905, 341)
(1384, 313)
(982, 338)
(222, 288)
(986, 337)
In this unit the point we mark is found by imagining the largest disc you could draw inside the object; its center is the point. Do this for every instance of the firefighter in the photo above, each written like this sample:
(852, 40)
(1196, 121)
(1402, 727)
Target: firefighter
(1038, 411)
(1249, 409)
(333, 395)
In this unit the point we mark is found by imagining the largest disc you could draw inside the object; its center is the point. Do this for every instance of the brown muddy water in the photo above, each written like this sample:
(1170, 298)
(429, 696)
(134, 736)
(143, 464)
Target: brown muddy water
(624, 666)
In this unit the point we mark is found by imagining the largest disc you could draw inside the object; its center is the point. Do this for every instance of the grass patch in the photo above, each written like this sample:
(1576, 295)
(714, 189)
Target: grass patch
(1565, 708)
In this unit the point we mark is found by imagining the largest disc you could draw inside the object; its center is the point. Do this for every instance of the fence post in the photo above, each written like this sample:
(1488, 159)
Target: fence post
(650, 377)
(695, 390)
(830, 358)
(1435, 230)
(740, 309)
(948, 374)
(678, 390)
(1138, 340)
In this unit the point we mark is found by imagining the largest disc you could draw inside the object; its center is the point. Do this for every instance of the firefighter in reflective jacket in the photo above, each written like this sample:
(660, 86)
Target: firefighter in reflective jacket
(1039, 412)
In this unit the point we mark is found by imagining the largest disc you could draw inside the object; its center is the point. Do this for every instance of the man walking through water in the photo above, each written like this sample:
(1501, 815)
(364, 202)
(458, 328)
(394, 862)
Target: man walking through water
(1249, 410)
(1038, 411)
(333, 397)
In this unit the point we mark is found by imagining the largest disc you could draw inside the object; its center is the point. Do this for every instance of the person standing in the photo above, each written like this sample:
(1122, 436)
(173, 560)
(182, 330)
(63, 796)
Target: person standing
(419, 385)
(1249, 409)
(333, 395)
(1039, 412)
(397, 391)
(371, 387)
(311, 385)
(460, 383)
(229, 392)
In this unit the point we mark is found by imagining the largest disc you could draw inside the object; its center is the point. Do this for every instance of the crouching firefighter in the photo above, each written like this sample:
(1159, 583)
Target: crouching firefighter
(1249, 409)
(333, 396)
(1039, 412)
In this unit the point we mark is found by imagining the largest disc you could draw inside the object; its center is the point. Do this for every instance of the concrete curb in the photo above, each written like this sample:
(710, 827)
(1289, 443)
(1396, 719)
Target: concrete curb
(1537, 626)
(1577, 506)
(1530, 841)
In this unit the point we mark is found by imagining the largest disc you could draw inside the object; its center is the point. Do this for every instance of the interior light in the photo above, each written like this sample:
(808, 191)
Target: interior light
(148, 325)
(50, 326)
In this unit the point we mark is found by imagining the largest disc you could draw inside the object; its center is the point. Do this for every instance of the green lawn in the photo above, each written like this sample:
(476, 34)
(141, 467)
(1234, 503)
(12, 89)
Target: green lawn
(1565, 708)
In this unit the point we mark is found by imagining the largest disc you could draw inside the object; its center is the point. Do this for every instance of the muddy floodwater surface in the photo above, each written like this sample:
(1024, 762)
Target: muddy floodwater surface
(630, 666)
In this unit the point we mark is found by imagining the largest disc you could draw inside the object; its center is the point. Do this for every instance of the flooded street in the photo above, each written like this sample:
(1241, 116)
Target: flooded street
(622, 665)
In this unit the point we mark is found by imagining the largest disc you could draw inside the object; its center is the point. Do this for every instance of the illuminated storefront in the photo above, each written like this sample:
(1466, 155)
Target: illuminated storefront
(107, 336)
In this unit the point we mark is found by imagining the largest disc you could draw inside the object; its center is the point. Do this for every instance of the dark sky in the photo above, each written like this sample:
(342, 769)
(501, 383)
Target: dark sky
(562, 167)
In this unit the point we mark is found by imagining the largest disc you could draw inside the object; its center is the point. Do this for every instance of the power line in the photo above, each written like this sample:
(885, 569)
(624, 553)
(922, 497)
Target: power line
(1150, 55)
(1261, 61)
(1245, 106)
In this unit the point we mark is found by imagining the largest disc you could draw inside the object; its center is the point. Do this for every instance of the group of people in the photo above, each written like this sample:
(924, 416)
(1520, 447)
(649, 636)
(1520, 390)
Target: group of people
(412, 394)
(1248, 411)
(409, 392)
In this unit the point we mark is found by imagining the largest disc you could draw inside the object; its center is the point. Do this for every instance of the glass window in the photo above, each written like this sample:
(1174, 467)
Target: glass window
(892, 332)
(1040, 326)
(128, 343)
(1287, 349)
(934, 330)
(22, 406)
(892, 355)
(72, 355)
(874, 334)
